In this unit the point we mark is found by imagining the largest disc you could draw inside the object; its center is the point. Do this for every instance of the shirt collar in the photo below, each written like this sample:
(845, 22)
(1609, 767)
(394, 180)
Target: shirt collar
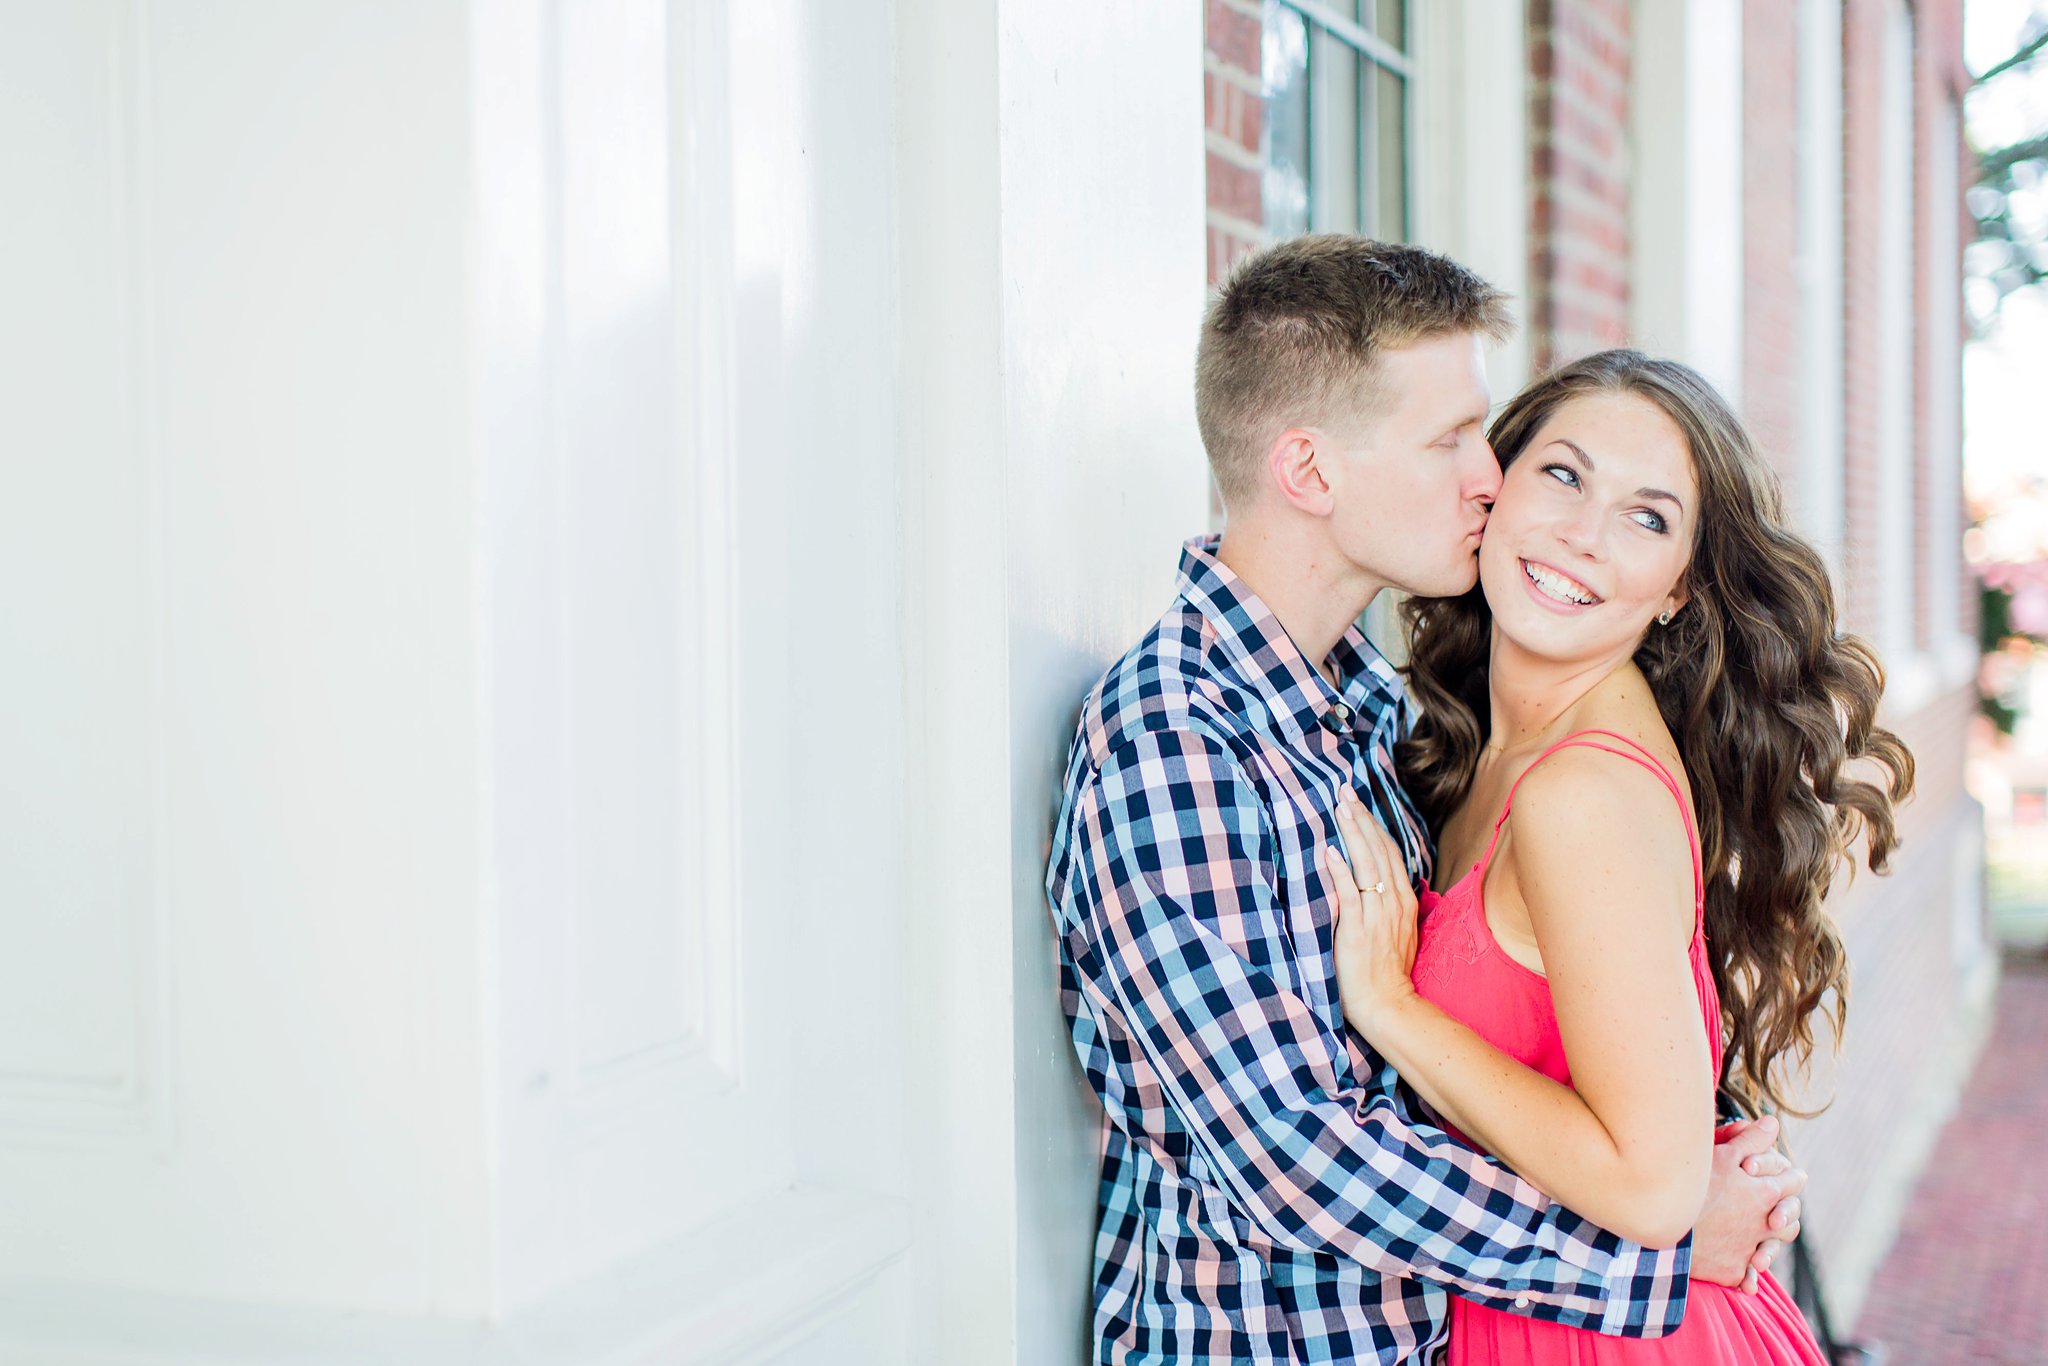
(1253, 638)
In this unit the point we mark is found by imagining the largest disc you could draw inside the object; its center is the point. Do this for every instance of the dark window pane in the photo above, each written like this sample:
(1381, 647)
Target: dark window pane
(1390, 20)
(1336, 180)
(1390, 138)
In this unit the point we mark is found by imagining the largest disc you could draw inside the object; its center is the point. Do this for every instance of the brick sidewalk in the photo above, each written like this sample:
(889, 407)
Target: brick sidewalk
(1967, 1281)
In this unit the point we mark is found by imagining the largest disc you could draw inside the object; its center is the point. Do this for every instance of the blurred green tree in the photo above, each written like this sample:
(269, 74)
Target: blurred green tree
(2009, 199)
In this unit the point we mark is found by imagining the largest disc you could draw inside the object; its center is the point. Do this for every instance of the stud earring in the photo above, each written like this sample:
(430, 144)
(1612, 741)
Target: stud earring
(1664, 620)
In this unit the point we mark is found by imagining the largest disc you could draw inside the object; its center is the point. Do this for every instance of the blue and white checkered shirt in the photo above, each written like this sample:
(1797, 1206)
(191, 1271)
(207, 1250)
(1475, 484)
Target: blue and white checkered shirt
(1267, 1195)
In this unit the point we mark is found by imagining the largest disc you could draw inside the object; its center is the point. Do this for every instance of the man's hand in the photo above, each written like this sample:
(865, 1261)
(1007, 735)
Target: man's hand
(1752, 1207)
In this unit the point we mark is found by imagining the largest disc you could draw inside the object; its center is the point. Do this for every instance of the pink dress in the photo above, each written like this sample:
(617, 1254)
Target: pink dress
(1460, 966)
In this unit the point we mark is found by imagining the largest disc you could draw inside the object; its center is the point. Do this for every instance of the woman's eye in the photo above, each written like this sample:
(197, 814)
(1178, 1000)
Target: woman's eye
(1653, 520)
(1564, 474)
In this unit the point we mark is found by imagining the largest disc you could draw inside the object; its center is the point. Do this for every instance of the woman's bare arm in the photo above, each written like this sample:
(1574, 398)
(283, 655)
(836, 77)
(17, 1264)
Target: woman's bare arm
(1602, 863)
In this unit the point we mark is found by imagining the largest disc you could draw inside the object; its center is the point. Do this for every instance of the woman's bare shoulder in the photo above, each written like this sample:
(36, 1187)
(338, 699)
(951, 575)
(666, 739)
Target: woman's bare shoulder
(1599, 799)
(1598, 843)
(1623, 705)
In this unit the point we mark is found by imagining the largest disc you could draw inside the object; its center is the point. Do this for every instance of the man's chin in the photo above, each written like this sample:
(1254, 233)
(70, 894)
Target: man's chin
(1453, 583)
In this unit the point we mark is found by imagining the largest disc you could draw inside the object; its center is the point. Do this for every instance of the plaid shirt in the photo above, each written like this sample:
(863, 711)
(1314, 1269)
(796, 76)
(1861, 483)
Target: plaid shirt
(1266, 1194)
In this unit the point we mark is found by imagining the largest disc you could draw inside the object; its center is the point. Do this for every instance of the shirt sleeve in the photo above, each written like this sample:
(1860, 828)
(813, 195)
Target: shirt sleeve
(1173, 893)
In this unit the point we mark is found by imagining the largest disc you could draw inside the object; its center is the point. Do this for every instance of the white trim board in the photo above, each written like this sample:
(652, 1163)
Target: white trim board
(787, 1262)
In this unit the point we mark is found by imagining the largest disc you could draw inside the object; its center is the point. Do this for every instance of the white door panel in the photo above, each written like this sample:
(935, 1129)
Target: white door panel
(81, 985)
(546, 563)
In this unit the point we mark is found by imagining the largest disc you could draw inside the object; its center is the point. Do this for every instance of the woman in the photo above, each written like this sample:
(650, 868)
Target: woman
(1632, 749)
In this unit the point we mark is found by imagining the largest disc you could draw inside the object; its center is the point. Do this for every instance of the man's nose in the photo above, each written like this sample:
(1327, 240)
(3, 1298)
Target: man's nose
(1482, 476)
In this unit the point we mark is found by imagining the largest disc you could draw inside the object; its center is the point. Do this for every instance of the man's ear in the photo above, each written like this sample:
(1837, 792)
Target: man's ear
(1294, 465)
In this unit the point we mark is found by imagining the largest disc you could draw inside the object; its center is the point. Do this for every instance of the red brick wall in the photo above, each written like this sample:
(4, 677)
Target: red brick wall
(1772, 389)
(1907, 1001)
(1236, 113)
(1938, 75)
(1578, 178)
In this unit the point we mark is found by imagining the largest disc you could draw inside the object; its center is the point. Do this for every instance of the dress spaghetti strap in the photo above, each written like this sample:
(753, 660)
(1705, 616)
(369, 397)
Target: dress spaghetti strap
(1591, 739)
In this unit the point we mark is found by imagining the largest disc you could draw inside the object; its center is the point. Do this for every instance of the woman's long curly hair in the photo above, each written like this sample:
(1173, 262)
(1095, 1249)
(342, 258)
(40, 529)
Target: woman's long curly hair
(1767, 702)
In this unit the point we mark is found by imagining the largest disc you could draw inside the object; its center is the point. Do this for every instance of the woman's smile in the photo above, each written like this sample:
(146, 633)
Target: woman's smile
(1557, 589)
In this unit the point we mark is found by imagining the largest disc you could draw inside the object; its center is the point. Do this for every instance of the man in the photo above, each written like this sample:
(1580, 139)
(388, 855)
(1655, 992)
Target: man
(1267, 1193)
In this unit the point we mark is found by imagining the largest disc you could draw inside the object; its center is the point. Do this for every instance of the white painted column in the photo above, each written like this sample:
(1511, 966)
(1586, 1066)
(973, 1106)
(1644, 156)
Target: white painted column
(1472, 176)
(1685, 185)
(1104, 479)
(962, 1120)
(1954, 648)
(1911, 673)
(1818, 500)
(1053, 264)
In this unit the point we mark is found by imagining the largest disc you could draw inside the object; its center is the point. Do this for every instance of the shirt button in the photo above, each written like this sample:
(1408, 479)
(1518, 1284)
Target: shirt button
(1523, 1300)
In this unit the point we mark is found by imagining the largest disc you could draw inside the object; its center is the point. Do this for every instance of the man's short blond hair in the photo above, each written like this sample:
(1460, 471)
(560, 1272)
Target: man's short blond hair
(1294, 337)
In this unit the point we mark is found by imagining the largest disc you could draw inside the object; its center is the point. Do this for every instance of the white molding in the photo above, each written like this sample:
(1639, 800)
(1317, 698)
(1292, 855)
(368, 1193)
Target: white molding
(1685, 186)
(1897, 232)
(1470, 170)
(956, 643)
(1970, 938)
(1818, 269)
(159, 1045)
(1912, 681)
(1959, 656)
(607, 362)
(617, 400)
(128, 1108)
(1347, 31)
(768, 1279)
(1942, 355)
(702, 187)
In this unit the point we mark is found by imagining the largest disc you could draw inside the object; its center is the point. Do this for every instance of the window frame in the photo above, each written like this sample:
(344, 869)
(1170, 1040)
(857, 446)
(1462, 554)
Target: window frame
(1376, 57)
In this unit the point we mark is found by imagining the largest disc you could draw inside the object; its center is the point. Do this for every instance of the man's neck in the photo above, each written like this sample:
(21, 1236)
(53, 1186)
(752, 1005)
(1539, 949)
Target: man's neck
(1313, 592)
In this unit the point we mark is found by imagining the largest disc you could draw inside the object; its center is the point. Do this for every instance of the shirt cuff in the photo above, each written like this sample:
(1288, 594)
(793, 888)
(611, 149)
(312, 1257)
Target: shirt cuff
(1646, 1290)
